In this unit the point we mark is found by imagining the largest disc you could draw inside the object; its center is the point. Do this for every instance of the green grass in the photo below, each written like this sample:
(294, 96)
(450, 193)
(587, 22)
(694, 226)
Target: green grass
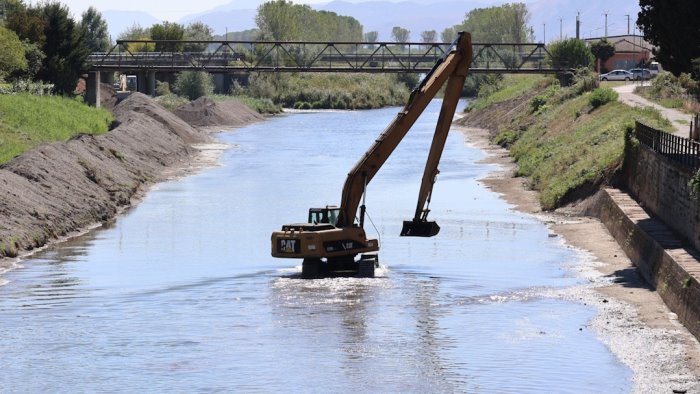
(27, 121)
(512, 86)
(564, 150)
(561, 140)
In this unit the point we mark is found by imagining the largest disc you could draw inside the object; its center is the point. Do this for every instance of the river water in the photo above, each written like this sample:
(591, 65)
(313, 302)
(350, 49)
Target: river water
(180, 294)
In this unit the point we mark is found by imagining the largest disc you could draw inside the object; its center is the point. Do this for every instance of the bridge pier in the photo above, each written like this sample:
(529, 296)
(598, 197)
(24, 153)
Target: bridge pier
(92, 88)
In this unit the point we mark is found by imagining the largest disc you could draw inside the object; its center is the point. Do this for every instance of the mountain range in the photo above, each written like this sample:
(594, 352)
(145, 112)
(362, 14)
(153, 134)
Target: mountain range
(549, 18)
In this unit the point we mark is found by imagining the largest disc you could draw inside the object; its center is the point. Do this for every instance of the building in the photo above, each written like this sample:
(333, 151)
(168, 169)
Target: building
(630, 52)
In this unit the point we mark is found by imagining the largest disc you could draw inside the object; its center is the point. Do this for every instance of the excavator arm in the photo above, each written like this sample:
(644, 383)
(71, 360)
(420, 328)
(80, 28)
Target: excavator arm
(452, 68)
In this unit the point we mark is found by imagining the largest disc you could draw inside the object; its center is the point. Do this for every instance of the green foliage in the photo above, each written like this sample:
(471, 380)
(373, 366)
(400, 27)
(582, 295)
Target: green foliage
(35, 88)
(12, 55)
(340, 91)
(96, 33)
(570, 53)
(602, 96)
(280, 20)
(198, 31)
(168, 31)
(502, 89)
(672, 27)
(602, 50)
(536, 103)
(506, 138)
(27, 121)
(371, 36)
(448, 34)
(505, 23)
(136, 32)
(428, 36)
(162, 88)
(194, 84)
(400, 34)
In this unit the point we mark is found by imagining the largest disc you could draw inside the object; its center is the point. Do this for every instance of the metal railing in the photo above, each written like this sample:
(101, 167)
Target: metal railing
(300, 56)
(681, 150)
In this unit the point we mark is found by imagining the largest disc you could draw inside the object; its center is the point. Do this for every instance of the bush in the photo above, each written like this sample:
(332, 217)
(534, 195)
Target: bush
(194, 84)
(162, 88)
(536, 103)
(602, 96)
(570, 53)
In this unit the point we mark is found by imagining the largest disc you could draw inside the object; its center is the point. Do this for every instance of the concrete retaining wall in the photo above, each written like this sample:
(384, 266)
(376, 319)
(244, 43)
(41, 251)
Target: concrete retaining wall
(661, 186)
(674, 272)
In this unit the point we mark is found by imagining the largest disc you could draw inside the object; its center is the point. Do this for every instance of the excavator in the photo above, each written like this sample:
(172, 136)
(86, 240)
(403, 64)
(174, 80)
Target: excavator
(333, 237)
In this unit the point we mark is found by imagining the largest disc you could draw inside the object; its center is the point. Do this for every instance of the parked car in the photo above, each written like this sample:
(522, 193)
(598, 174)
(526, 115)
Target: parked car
(617, 75)
(641, 74)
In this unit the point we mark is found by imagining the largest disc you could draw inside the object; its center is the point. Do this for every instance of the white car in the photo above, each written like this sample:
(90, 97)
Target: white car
(617, 75)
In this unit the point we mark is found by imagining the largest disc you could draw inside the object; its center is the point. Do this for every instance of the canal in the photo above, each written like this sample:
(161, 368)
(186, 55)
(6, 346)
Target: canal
(180, 294)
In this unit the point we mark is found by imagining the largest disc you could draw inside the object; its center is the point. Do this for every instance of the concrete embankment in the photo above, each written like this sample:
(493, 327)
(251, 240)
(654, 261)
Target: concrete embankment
(62, 188)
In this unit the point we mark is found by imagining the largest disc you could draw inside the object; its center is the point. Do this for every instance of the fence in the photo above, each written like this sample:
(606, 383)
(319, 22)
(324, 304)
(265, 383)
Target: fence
(681, 150)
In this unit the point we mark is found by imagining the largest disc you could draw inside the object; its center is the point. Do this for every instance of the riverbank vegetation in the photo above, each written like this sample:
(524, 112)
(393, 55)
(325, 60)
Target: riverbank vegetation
(567, 140)
(27, 121)
(682, 92)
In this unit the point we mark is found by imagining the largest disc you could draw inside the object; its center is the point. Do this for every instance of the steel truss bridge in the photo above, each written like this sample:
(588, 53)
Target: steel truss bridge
(234, 57)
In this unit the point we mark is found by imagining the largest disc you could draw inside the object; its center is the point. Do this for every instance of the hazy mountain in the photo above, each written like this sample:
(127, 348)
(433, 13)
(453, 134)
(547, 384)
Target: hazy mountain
(119, 21)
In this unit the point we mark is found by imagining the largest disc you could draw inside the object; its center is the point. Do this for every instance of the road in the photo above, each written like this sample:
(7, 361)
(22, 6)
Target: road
(678, 119)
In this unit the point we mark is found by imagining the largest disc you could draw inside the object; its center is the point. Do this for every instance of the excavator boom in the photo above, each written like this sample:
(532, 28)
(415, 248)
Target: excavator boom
(452, 67)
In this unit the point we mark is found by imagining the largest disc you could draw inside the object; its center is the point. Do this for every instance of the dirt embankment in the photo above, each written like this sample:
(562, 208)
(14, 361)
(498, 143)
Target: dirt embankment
(58, 189)
(204, 112)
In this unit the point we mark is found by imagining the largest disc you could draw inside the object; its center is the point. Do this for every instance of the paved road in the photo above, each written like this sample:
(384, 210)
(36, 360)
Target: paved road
(680, 120)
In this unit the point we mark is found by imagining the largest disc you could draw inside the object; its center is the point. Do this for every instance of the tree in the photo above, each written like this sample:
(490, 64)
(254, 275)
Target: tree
(399, 34)
(602, 50)
(64, 48)
(168, 31)
(96, 33)
(136, 32)
(505, 23)
(371, 36)
(448, 35)
(280, 20)
(428, 36)
(198, 31)
(672, 26)
(12, 53)
(194, 84)
(570, 53)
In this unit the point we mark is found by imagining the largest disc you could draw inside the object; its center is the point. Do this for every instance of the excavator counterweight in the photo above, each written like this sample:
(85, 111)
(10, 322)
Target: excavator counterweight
(332, 239)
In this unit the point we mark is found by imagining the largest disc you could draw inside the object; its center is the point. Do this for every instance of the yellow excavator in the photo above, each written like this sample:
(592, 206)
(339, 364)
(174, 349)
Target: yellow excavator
(332, 238)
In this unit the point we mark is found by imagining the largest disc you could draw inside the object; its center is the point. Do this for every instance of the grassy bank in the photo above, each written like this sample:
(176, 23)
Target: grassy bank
(27, 121)
(262, 106)
(566, 142)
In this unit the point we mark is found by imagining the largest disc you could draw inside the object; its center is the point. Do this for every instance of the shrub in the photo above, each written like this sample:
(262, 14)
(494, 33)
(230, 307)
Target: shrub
(602, 96)
(570, 53)
(536, 103)
(162, 88)
(194, 84)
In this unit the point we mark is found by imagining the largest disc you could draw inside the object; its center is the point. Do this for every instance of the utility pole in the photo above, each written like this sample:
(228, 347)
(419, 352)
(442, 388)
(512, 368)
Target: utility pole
(561, 36)
(628, 24)
(578, 25)
(544, 33)
(606, 24)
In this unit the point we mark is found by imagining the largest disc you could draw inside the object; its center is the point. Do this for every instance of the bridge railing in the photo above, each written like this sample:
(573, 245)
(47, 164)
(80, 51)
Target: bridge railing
(300, 56)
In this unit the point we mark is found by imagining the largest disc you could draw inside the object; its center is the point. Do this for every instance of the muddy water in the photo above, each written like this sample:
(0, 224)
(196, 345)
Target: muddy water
(181, 294)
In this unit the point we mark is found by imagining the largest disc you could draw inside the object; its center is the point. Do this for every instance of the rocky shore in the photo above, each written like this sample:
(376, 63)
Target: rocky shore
(61, 189)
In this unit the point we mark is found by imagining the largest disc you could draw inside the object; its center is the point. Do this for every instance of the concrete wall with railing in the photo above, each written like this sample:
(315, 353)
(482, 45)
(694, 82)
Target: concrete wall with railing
(658, 174)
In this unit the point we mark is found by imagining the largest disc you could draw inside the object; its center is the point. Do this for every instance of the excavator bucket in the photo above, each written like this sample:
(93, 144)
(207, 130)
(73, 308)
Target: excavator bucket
(419, 228)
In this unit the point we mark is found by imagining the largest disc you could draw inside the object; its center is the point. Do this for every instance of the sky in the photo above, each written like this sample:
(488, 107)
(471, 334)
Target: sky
(170, 10)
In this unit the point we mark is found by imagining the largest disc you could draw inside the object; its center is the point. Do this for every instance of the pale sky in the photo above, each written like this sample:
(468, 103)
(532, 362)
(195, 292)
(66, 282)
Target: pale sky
(171, 10)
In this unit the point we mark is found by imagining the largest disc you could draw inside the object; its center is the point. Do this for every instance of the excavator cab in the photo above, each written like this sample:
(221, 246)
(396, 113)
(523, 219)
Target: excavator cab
(329, 215)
